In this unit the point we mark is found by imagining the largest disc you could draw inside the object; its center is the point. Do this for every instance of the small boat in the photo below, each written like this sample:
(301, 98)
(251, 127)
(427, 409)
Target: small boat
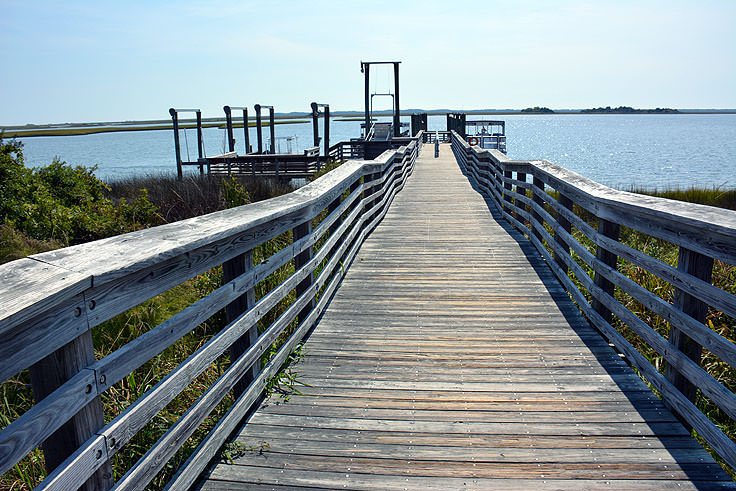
(486, 134)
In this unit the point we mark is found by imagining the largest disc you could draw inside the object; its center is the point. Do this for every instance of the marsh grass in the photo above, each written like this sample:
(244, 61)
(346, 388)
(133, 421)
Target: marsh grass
(176, 200)
(724, 277)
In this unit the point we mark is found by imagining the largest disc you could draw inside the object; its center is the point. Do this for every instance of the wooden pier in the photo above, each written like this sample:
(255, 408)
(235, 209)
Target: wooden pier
(450, 357)
(470, 328)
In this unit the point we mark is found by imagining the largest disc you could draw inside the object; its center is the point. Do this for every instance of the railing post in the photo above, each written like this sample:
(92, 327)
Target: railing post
(539, 184)
(46, 376)
(300, 260)
(230, 270)
(701, 267)
(521, 177)
(610, 230)
(566, 226)
(507, 174)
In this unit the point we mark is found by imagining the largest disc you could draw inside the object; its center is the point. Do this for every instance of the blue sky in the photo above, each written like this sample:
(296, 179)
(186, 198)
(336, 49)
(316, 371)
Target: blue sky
(103, 60)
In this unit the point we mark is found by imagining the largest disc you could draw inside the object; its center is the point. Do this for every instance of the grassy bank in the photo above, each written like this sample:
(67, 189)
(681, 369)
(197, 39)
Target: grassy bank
(89, 130)
(715, 196)
(160, 199)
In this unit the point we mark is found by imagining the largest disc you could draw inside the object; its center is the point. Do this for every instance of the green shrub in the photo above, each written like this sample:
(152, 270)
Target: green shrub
(64, 203)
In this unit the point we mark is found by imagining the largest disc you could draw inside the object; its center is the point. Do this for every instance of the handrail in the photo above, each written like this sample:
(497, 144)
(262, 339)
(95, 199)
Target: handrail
(703, 235)
(49, 303)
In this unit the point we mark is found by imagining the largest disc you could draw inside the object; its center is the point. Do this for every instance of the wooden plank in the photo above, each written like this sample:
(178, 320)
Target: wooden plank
(22, 282)
(439, 452)
(449, 342)
(252, 477)
(488, 470)
(266, 433)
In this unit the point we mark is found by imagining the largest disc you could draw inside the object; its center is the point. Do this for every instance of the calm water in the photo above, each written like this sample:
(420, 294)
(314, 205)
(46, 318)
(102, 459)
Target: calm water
(616, 150)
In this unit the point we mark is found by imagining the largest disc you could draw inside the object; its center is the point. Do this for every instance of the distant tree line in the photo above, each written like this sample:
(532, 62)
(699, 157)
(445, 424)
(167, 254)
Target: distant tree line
(538, 110)
(629, 110)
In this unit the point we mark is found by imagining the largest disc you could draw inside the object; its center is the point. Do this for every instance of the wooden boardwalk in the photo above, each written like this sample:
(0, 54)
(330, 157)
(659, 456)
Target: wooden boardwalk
(451, 358)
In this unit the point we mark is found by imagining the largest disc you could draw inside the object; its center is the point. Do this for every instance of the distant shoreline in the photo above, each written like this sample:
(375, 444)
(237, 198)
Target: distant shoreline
(71, 129)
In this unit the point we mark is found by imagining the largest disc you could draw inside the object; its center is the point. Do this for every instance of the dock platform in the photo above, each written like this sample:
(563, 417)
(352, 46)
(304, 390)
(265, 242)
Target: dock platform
(450, 357)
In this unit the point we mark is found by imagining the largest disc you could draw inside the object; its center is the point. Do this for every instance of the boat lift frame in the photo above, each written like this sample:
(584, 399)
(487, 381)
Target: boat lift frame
(229, 121)
(177, 144)
(315, 125)
(259, 130)
(365, 69)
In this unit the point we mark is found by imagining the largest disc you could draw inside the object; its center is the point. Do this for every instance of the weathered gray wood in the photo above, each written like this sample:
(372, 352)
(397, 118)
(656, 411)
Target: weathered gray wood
(195, 464)
(719, 441)
(685, 367)
(38, 423)
(22, 282)
(610, 230)
(700, 289)
(90, 457)
(230, 270)
(300, 260)
(566, 226)
(701, 267)
(31, 340)
(48, 375)
(404, 355)
(539, 184)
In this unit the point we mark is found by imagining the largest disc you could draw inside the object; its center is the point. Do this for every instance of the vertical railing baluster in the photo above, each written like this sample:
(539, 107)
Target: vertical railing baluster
(566, 226)
(50, 373)
(701, 267)
(521, 177)
(300, 260)
(507, 174)
(231, 269)
(610, 230)
(538, 200)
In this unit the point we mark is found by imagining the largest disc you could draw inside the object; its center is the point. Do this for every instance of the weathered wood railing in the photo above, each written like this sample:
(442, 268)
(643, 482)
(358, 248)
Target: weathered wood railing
(270, 165)
(50, 302)
(559, 228)
(347, 150)
(441, 136)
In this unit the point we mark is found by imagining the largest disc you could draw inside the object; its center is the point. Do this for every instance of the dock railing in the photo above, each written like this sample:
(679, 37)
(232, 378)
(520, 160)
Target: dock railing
(668, 337)
(51, 302)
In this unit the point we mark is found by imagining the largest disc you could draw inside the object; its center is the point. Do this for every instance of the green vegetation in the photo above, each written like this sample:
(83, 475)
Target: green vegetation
(721, 198)
(90, 129)
(51, 207)
(538, 110)
(628, 110)
(724, 277)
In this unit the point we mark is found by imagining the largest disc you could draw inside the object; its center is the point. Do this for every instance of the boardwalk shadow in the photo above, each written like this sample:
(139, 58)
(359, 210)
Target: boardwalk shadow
(672, 434)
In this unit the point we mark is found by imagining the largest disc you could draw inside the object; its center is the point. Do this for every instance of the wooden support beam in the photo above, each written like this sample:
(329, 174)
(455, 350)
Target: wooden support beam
(300, 260)
(566, 226)
(610, 230)
(49, 374)
(507, 186)
(539, 184)
(701, 267)
(230, 270)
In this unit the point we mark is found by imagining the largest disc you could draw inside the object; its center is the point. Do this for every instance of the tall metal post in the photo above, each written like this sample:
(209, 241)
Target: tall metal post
(315, 124)
(366, 70)
(259, 132)
(273, 129)
(397, 111)
(229, 123)
(177, 144)
(200, 148)
(245, 130)
(327, 131)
